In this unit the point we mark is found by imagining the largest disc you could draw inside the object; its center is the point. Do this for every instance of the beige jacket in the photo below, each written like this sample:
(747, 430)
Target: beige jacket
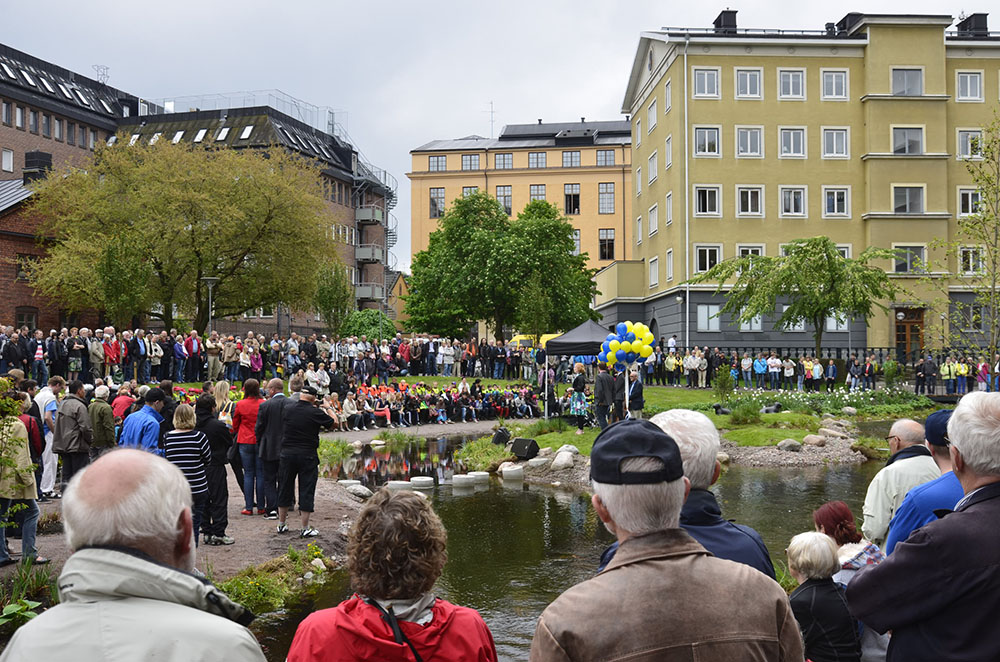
(887, 489)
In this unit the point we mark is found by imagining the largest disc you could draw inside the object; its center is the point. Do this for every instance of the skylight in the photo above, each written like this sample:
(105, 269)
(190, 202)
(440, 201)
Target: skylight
(47, 84)
(135, 136)
(289, 136)
(198, 137)
(222, 134)
(156, 136)
(247, 130)
(7, 70)
(79, 95)
(107, 107)
(27, 77)
(177, 137)
(62, 88)
(112, 140)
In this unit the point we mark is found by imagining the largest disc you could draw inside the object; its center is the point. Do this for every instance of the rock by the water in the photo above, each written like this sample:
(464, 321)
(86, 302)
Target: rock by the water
(826, 416)
(568, 448)
(538, 461)
(347, 482)
(789, 445)
(723, 458)
(830, 432)
(564, 460)
(359, 492)
(814, 440)
(545, 452)
(318, 564)
(849, 411)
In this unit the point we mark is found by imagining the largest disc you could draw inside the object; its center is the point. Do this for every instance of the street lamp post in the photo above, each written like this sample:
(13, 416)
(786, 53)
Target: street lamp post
(211, 281)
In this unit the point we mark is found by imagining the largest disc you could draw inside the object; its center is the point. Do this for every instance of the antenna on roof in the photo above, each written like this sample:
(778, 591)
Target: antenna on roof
(493, 115)
(102, 72)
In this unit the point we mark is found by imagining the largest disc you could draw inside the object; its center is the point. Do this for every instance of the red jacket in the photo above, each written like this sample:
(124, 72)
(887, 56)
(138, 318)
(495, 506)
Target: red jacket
(355, 632)
(189, 346)
(244, 420)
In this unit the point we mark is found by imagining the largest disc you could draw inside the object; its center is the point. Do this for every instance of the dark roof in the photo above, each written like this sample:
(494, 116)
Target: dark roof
(514, 136)
(550, 130)
(12, 193)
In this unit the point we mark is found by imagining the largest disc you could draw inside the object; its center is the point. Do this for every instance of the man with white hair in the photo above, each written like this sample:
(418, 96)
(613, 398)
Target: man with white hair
(127, 517)
(701, 516)
(663, 597)
(939, 590)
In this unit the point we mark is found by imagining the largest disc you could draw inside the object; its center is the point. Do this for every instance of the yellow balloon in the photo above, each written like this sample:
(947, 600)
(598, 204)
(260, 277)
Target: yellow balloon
(613, 346)
(629, 326)
(626, 346)
(648, 338)
(639, 330)
(646, 351)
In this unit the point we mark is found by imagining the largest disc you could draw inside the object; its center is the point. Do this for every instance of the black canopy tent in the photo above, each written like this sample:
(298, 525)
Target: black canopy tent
(584, 340)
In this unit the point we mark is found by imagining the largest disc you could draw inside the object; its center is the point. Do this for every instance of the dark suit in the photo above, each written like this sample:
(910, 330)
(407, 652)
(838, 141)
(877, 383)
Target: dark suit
(619, 396)
(269, 429)
(604, 395)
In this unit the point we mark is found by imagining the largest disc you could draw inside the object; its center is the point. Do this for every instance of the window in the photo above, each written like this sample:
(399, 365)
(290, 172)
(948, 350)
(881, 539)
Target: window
(909, 259)
(606, 198)
(651, 167)
(799, 325)
(970, 86)
(654, 271)
(651, 117)
(834, 86)
(907, 82)
(793, 143)
(223, 133)
(47, 126)
(7, 160)
(25, 263)
(837, 323)
(57, 128)
(908, 199)
(132, 140)
(907, 140)
(81, 139)
(968, 201)
(667, 97)
(265, 313)
(970, 259)
(668, 152)
(8, 70)
(707, 257)
(708, 317)
(198, 137)
(706, 83)
(576, 242)
(536, 159)
(748, 142)
(27, 77)
(791, 84)
(536, 192)
(750, 200)
(844, 250)
(19, 117)
(970, 143)
(70, 133)
(638, 132)
(670, 264)
(470, 162)
(669, 209)
(33, 121)
(748, 83)
(605, 157)
(706, 201)
(706, 141)
(155, 138)
(835, 144)
(92, 139)
(606, 244)
(437, 163)
(753, 324)
(82, 99)
(654, 220)
(744, 250)
(177, 137)
(245, 133)
(571, 159)
(836, 202)
(5, 112)
(973, 318)
(638, 230)
(469, 190)
(437, 202)
(638, 181)
(503, 161)
(793, 200)
(26, 317)
(571, 195)
(504, 198)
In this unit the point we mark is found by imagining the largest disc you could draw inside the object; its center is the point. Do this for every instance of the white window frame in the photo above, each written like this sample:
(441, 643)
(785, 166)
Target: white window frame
(668, 152)
(638, 230)
(791, 70)
(760, 141)
(836, 324)
(963, 249)
(713, 320)
(654, 272)
(755, 325)
(822, 84)
(910, 244)
(962, 191)
(694, 82)
(914, 67)
(847, 250)
(668, 207)
(638, 181)
(805, 142)
(739, 201)
(805, 201)
(7, 160)
(907, 127)
(718, 200)
(847, 142)
(651, 116)
(959, 156)
(923, 196)
(652, 165)
(667, 97)
(799, 326)
(638, 132)
(653, 219)
(737, 71)
(670, 265)
(847, 202)
(718, 141)
(719, 256)
(958, 85)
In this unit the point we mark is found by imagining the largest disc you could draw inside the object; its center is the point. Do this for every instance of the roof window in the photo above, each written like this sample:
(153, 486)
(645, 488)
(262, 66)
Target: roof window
(107, 106)
(222, 134)
(198, 137)
(79, 95)
(112, 140)
(177, 137)
(62, 88)
(27, 77)
(245, 133)
(156, 136)
(135, 136)
(7, 70)
(47, 84)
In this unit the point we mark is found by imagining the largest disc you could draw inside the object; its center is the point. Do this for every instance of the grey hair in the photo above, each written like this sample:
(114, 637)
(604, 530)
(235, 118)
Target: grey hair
(908, 431)
(974, 431)
(813, 555)
(146, 518)
(644, 507)
(697, 439)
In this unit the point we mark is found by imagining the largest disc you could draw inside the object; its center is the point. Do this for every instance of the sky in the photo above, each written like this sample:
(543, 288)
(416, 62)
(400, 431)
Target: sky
(404, 73)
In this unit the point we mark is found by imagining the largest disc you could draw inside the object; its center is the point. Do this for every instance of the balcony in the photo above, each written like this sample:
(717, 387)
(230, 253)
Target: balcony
(370, 215)
(369, 291)
(369, 253)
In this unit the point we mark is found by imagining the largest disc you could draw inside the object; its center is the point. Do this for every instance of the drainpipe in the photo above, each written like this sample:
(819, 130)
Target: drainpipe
(687, 208)
(624, 244)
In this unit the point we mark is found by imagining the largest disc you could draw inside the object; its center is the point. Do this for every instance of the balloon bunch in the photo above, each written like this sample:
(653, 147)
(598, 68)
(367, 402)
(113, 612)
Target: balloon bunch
(631, 343)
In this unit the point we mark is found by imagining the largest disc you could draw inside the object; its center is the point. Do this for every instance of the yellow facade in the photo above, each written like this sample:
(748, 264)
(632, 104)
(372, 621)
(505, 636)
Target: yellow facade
(774, 137)
(521, 169)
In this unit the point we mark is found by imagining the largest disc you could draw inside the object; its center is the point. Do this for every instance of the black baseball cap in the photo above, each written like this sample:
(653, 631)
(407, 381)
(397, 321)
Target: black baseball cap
(634, 438)
(310, 390)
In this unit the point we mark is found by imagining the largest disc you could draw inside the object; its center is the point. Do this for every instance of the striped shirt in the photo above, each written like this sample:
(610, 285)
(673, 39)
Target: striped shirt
(188, 449)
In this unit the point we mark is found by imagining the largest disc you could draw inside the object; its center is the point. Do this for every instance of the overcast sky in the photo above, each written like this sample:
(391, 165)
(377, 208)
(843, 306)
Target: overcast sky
(404, 72)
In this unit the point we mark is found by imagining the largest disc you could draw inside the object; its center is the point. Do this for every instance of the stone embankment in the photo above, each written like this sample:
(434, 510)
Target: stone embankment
(830, 445)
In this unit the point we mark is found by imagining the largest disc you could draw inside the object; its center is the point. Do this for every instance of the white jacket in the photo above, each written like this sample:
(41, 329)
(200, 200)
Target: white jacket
(117, 605)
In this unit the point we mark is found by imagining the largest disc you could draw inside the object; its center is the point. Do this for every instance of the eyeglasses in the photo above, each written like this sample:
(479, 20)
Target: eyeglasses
(892, 436)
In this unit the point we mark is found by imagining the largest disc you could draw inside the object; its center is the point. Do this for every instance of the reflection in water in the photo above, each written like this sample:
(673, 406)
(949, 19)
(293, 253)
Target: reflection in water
(512, 549)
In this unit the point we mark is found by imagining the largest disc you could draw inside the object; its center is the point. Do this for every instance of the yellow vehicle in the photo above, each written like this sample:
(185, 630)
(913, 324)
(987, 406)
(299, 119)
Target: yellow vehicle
(522, 340)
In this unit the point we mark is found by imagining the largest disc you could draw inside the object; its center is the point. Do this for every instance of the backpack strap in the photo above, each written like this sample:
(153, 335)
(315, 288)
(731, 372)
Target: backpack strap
(397, 634)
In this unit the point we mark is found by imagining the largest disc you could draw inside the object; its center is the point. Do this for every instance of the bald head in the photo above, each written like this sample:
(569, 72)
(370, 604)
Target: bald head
(906, 432)
(275, 386)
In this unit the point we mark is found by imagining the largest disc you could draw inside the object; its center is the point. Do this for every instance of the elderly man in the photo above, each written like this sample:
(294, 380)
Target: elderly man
(910, 464)
(74, 432)
(268, 430)
(102, 420)
(939, 591)
(128, 518)
(664, 597)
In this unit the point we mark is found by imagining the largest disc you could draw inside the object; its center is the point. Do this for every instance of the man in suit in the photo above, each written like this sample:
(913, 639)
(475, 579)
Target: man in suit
(269, 428)
(604, 395)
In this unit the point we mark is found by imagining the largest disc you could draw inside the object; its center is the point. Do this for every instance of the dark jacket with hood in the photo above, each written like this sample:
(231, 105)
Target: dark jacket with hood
(219, 438)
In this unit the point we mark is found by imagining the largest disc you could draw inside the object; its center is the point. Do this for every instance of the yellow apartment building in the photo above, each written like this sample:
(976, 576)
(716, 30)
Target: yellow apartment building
(584, 168)
(747, 138)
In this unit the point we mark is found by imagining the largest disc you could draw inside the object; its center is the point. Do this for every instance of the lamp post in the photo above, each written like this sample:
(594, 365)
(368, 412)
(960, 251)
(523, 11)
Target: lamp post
(211, 281)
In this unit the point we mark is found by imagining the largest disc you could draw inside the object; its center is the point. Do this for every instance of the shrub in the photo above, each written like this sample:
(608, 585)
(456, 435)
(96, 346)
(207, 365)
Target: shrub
(723, 385)
(745, 413)
(892, 373)
(482, 455)
(258, 592)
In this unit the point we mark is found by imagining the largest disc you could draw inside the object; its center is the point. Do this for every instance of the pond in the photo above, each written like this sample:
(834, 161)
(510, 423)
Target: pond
(513, 548)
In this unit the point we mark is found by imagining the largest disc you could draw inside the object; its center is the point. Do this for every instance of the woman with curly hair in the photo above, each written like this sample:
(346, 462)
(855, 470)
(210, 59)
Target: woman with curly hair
(396, 551)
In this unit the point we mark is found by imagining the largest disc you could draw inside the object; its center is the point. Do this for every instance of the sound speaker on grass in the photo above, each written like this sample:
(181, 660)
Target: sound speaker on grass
(524, 449)
(501, 437)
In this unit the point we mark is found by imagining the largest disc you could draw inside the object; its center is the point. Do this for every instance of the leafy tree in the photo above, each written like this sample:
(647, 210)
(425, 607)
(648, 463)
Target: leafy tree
(370, 322)
(334, 298)
(812, 277)
(479, 265)
(254, 219)
(534, 313)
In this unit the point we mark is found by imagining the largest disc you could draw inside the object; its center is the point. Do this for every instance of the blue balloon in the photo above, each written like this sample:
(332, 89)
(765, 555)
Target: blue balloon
(620, 355)
(621, 329)
(631, 357)
(630, 336)
(612, 336)
(641, 359)
(620, 367)
(606, 346)
(602, 357)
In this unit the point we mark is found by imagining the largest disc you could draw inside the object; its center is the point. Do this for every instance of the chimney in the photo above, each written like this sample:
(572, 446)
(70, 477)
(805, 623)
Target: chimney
(725, 22)
(831, 29)
(973, 25)
(36, 166)
(582, 120)
(539, 120)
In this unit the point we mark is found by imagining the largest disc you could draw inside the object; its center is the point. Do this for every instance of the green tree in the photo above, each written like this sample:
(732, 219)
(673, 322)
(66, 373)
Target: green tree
(370, 322)
(534, 313)
(334, 298)
(122, 264)
(812, 278)
(254, 219)
(479, 265)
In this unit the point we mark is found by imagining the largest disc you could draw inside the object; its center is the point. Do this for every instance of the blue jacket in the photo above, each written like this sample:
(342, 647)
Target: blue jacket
(142, 430)
(759, 366)
(831, 371)
(702, 518)
(919, 505)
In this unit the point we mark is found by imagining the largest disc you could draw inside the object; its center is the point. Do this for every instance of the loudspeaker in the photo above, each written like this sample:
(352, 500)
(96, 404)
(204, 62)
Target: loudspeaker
(501, 436)
(524, 449)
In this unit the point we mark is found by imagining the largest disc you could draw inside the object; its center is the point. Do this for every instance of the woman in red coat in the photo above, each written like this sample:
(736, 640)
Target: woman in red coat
(244, 420)
(396, 551)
